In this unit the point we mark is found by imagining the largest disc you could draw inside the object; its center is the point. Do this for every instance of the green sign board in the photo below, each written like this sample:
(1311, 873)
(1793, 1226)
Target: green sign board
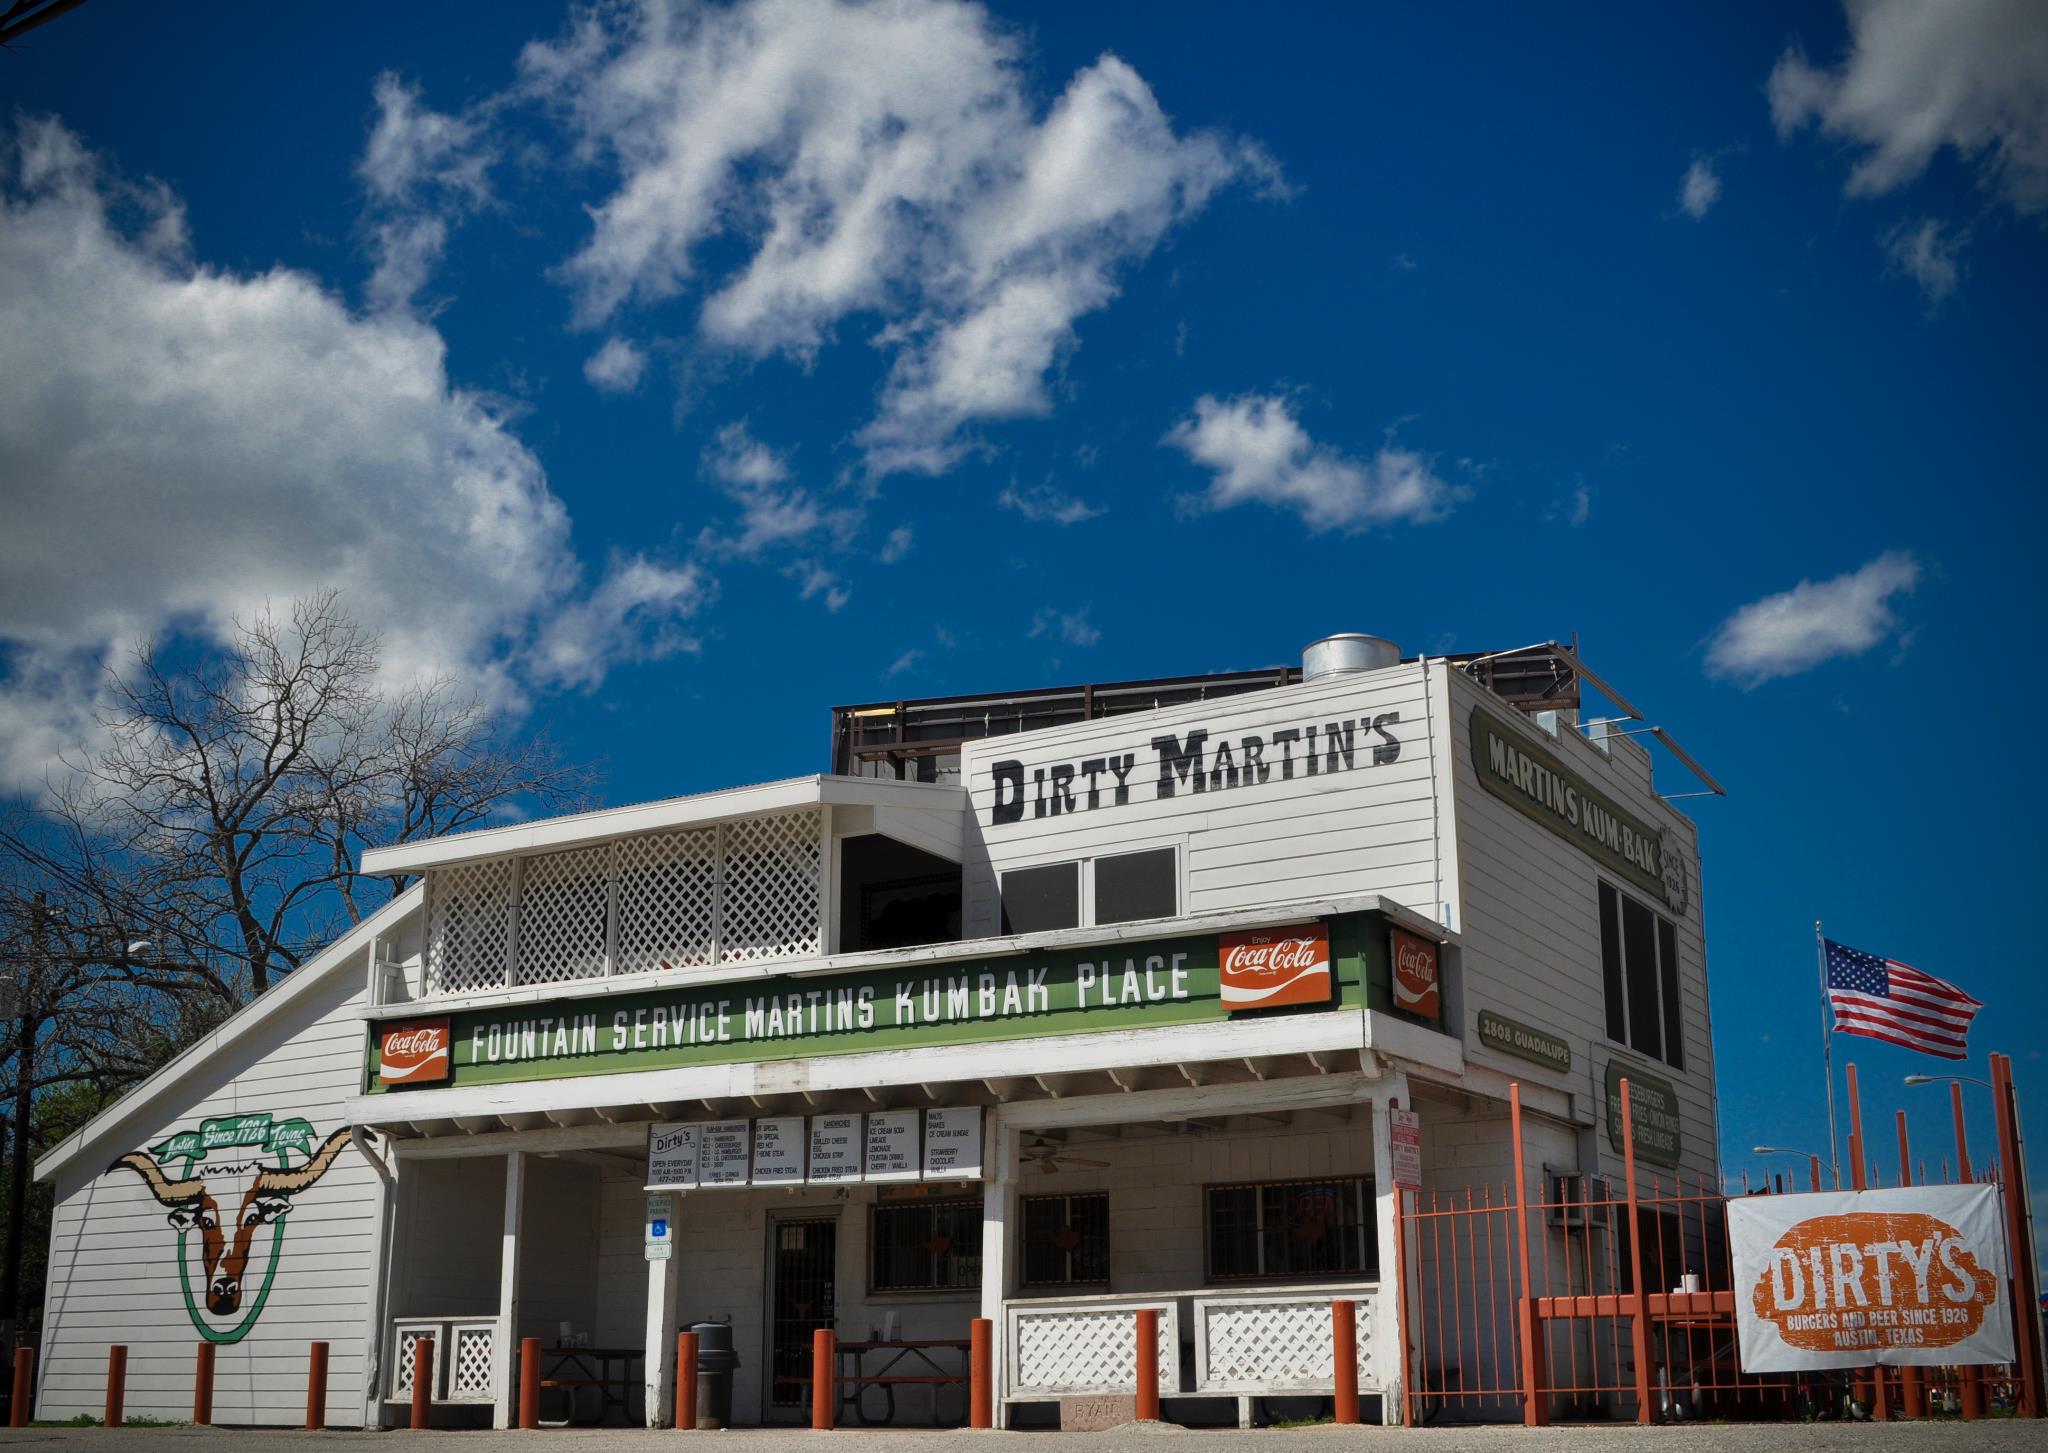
(1126, 984)
(1539, 786)
(1511, 1036)
(1653, 1109)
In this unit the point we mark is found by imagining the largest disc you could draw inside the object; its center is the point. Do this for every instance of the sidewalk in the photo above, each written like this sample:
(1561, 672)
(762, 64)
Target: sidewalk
(1990, 1436)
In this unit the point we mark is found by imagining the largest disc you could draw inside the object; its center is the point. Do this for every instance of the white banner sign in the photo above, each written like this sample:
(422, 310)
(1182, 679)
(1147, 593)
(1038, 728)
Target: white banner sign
(1913, 1275)
(952, 1144)
(672, 1157)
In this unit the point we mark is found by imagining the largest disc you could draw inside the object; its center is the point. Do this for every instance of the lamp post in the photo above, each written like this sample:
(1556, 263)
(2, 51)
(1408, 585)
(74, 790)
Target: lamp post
(1812, 1160)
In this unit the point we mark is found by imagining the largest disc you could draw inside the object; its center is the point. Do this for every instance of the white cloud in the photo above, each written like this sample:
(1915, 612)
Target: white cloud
(813, 578)
(1924, 74)
(636, 613)
(1699, 189)
(1069, 626)
(1044, 503)
(421, 168)
(1928, 252)
(905, 662)
(181, 444)
(1575, 509)
(1796, 630)
(896, 546)
(773, 511)
(1258, 452)
(883, 161)
(616, 367)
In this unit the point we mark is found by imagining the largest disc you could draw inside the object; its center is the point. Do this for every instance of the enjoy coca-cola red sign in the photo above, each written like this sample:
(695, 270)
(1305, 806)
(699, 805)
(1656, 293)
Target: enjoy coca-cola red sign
(1276, 966)
(414, 1052)
(1415, 976)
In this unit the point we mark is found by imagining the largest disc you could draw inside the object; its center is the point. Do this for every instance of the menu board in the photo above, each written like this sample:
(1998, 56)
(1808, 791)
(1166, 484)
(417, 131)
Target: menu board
(835, 1147)
(892, 1146)
(672, 1156)
(725, 1153)
(779, 1152)
(952, 1144)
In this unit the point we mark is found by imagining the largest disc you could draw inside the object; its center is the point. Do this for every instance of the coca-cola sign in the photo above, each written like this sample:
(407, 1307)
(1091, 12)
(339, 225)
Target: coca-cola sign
(1415, 976)
(413, 1052)
(1272, 967)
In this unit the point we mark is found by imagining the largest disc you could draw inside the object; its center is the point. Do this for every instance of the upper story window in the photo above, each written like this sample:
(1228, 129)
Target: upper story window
(1639, 965)
(1117, 888)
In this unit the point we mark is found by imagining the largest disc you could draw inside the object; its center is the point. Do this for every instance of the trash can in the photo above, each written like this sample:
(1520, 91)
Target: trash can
(716, 1362)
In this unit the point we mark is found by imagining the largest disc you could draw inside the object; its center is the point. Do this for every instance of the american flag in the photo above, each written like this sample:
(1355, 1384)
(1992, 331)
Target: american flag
(1888, 1000)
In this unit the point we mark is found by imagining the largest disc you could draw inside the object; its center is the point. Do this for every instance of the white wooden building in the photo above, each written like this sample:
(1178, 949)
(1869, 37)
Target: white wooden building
(1105, 1013)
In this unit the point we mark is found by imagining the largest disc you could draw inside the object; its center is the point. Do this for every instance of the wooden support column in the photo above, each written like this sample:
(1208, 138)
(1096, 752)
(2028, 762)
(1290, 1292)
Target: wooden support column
(664, 1282)
(1385, 1333)
(998, 1172)
(505, 1412)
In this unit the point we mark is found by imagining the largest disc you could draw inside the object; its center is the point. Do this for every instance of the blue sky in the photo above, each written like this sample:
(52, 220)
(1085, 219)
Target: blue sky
(674, 374)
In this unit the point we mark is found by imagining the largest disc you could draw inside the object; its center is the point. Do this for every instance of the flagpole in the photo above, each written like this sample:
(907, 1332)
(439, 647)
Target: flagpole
(1827, 1056)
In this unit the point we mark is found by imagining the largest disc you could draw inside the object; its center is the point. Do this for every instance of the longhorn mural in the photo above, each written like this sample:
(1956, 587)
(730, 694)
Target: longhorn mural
(232, 1181)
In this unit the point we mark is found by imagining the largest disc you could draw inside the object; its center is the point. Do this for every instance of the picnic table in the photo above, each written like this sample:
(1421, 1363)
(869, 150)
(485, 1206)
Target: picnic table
(610, 1370)
(920, 1368)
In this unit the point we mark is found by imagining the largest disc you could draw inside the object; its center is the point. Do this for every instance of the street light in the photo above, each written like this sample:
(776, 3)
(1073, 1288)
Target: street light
(1937, 1079)
(1812, 1160)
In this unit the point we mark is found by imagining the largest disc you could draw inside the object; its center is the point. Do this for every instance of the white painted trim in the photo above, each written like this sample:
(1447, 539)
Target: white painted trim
(1189, 1102)
(658, 1360)
(585, 827)
(997, 1194)
(250, 1018)
(505, 1408)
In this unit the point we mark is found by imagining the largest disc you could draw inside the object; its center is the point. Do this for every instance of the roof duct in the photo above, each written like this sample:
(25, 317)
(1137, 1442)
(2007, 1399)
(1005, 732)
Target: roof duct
(1343, 654)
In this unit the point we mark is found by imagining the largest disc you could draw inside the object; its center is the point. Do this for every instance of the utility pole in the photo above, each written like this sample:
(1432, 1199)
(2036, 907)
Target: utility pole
(24, 1096)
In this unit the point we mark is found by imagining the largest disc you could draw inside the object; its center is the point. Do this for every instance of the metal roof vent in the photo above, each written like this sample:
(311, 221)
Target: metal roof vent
(1343, 654)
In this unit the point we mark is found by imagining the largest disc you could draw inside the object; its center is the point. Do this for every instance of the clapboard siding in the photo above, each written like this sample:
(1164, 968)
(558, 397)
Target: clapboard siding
(1364, 829)
(113, 1268)
(1531, 926)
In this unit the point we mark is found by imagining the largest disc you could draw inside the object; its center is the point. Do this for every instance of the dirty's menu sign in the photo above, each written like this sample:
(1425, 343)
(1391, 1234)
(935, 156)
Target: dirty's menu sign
(884, 1145)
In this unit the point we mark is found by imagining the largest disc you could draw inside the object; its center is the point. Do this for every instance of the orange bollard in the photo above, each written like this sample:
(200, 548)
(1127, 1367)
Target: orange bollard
(422, 1382)
(981, 1386)
(824, 1397)
(117, 1386)
(316, 1387)
(1344, 1354)
(686, 1380)
(24, 1387)
(202, 1385)
(1148, 1364)
(529, 1383)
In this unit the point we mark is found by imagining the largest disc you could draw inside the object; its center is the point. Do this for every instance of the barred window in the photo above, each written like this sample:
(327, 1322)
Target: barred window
(1288, 1230)
(1066, 1240)
(922, 1246)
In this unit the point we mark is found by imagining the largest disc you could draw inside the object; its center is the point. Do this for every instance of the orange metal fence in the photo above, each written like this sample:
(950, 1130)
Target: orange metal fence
(1527, 1306)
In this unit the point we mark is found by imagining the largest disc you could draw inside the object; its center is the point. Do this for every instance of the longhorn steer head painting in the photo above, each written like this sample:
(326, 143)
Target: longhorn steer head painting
(229, 1200)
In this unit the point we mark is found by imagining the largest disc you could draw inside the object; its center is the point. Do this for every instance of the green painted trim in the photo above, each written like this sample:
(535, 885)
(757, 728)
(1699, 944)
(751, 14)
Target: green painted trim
(1525, 1041)
(595, 1033)
(1573, 809)
(1653, 1105)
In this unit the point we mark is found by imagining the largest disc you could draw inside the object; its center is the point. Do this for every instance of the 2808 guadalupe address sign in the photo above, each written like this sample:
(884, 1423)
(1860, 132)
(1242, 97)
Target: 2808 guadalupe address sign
(1134, 984)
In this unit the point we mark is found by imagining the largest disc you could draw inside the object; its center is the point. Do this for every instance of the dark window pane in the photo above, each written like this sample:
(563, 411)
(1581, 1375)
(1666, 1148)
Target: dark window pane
(1291, 1230)
(1610, 964)
(1674, 1028)
(1066, 1240)
(1233, 1232)
(924, 1246)
(1042, 898)
(1639, 941)
(1136, 885)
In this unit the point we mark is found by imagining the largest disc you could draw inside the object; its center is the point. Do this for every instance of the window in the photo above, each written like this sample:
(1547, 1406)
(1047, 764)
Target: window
(1136, 885)
(923, 1246)
(1282, 1230)
(1042, 898)
(1639, 967)
(1120, 888)
(1066, 1240)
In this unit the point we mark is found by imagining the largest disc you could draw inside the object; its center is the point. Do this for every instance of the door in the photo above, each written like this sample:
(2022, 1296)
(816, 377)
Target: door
(801, 1299)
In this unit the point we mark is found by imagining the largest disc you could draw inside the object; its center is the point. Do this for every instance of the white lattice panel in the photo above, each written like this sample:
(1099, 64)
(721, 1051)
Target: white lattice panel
(1274, 1344)
(773, 888)
(562, 902)
(1068, 1351)
(470, 928)
(665, 886)
(470, 1374)
(406, 1341)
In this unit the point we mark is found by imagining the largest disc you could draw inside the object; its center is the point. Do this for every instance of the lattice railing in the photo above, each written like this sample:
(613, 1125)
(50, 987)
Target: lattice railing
(1260, 1344)
(1077, 1349)
(747, 891)
(465, 1357)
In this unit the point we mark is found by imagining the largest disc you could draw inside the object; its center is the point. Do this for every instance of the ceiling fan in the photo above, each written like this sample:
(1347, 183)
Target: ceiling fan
(1050, 1157)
